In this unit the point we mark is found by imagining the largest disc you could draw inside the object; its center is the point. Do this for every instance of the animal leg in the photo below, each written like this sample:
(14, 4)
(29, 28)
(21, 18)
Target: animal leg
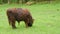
(26, 22)
(18, 22)
(13, 24)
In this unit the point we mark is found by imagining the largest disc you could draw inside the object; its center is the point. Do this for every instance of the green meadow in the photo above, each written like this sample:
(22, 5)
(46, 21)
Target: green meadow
(46, 19)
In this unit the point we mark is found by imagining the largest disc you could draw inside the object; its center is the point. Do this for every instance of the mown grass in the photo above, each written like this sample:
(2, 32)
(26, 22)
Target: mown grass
(47, 19)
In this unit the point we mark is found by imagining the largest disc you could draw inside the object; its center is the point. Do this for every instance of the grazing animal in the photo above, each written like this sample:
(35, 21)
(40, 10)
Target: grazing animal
(19, 14)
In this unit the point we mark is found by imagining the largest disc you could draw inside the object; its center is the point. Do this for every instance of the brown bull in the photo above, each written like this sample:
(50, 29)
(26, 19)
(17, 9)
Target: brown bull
(19, 14)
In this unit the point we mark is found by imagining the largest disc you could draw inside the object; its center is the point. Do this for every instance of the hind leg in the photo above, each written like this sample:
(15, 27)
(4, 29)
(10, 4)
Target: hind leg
(13, 24)
(9, 20)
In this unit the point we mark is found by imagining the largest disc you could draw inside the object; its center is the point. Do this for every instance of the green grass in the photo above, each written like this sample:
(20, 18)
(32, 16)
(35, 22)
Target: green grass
(47, 19)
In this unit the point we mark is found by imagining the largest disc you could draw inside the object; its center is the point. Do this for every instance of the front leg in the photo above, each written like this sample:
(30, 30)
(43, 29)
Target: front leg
(26, 22)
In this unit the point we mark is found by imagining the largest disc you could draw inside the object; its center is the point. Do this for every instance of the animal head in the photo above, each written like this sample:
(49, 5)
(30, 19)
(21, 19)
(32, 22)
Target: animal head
(30, 22)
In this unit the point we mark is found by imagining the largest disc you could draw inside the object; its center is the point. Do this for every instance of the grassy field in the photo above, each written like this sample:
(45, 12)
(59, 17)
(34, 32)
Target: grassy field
(47, 19)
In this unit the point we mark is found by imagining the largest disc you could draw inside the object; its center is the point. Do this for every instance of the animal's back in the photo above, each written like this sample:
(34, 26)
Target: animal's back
(18, 13)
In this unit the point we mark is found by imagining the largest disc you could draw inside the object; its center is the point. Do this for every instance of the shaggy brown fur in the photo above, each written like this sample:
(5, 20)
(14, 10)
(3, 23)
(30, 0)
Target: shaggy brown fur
(19, 14)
